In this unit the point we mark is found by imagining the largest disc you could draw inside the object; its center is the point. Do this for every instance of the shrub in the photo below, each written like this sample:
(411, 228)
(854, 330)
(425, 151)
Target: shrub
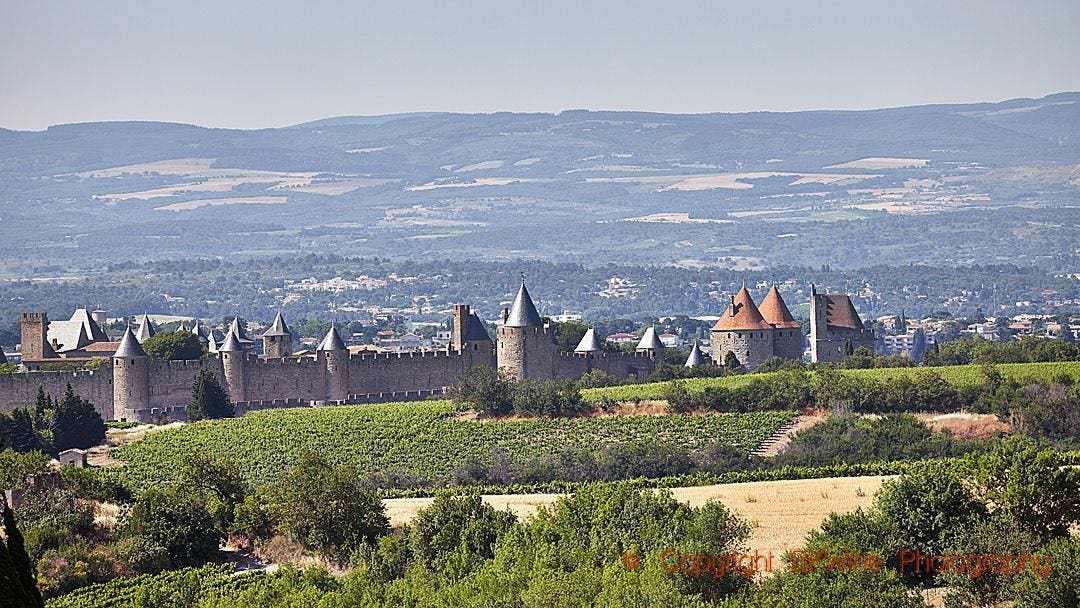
(324, 508)
(169, 528)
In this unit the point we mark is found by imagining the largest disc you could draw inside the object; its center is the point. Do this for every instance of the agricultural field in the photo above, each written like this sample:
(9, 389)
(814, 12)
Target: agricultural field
(420, 439)
(158, 589)
(957, 375)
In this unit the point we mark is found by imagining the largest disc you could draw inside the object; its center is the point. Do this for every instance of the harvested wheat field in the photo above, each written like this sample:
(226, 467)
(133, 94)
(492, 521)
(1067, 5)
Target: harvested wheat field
(781, 512)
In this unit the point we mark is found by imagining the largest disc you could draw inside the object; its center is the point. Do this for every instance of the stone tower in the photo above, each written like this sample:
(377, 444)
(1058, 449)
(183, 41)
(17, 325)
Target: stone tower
(834, 327)
(469, 332)
(277, 341)
(131, 379)
(234, 364)
(742, 331)
(650, 344)
(335, 356)
(526, 347)
(34, 328)
(787, 333)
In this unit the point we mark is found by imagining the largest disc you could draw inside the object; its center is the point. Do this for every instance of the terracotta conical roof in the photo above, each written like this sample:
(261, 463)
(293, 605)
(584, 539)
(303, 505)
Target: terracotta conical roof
(279, 328)
(696, 358)
(129, 346)
(742, 314)
(523, 312)
(589, 343)
(332, 341)
(650, 341)
(775, 311)
(231, 345)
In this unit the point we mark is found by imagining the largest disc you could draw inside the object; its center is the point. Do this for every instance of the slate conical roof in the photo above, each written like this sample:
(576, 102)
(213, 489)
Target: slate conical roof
(231, 345)
(742, 315)
(278, 328)
(696, 358)
(650, 341)
(200, 331)
(475, 330)
(183, 327)
(523, 312)
(332, 341)
(93, 330)
(129, 346)
(146, 328)
(211, 341)
(589, 343)
(3, 357)
(239, 331)
(775, 311)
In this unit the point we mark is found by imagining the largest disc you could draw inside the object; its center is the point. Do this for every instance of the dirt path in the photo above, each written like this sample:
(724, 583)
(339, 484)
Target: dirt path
(781, 512)
(782, 437)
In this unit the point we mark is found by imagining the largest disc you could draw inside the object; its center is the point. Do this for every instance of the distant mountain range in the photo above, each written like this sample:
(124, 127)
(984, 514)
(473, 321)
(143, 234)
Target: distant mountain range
(733, 189)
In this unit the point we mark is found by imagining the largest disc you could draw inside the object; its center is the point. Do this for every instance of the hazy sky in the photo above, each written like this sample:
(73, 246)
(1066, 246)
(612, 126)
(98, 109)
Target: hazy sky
(271, 63)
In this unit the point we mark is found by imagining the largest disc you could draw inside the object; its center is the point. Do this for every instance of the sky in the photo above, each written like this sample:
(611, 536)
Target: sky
(268, 63)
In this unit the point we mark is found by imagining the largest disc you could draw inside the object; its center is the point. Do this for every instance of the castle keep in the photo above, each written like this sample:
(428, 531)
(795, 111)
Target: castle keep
(134, 386)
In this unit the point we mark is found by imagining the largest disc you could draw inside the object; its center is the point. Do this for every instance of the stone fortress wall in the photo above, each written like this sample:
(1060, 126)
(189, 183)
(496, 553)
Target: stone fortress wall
(136, 387)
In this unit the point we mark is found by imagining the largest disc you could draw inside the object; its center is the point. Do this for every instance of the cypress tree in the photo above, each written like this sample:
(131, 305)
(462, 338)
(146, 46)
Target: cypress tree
(17, 586)
(208, 399)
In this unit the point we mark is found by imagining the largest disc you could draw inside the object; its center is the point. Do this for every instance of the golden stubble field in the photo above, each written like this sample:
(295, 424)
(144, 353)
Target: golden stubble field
(781, 512)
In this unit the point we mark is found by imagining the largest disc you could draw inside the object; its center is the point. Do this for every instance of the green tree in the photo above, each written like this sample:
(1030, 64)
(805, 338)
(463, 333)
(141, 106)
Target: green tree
(170, 528)
(208, 398)
(17, 586)
(457, 533)
(930, 507)
(483, 389)
(174, 346)
(76, 423)
(324, 508)
(568, 334)
(1029, 484)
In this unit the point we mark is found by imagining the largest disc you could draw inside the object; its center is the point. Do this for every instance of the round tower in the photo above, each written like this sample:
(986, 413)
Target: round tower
(234, 365)
(526, 347)
(333, 353)
(743, 332)
(131, 379)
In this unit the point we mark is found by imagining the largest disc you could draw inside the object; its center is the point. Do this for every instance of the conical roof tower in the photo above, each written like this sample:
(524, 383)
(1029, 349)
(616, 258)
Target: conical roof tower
(146, 328)
(650, 341)
(742, 315)
(129, 346)
(332, 340)
(696, 358)
(775, 311)
(278, 328)
(231, 345)
(523, 311)
(589, 343)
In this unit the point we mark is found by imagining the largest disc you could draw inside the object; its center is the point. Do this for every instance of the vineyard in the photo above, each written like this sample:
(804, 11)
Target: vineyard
(159, 589)
(957, 375)
(420, 439)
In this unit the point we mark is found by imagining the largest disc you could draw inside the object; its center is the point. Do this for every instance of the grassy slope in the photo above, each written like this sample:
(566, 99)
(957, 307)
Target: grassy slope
(960, 375)
(417, 438)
